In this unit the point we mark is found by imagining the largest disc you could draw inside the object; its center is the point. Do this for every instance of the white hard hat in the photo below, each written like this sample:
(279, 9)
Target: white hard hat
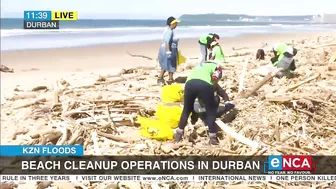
(213, 43)
(290, 50)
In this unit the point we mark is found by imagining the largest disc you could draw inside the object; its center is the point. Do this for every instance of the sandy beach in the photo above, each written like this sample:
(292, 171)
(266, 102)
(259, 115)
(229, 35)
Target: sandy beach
(43, 67)
(85, 65)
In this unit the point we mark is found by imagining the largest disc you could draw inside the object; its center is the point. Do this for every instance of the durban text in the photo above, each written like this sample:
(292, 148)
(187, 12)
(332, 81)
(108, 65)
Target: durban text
(235, 165)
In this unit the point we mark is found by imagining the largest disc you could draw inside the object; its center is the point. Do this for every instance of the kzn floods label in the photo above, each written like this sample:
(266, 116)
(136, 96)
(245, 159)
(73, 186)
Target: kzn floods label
(41, 24)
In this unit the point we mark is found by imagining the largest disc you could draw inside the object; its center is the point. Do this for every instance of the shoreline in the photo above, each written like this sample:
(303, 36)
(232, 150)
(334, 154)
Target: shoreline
(45, 66)
(157, 40)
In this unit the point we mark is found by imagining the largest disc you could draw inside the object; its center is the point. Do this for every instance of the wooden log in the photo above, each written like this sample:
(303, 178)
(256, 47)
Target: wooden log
(22, 132)
(56, 94)
(39, 88)
(5, 69)
(141, 56)
(237, 49)
(44, 185)
(24, 95)
(239, 54)
(36, 101)
(228, 130)
(332, 58)
(325, 45)
(8, 185)
(50, 137)
(115, 118)
(37, 135)
(110, 119)
(302, 82)
(279, 98)
(122, 78)
(319, 101)
(242, 77)
(64, 137)
(79, 132)
(269, 76)
(332, 67)
(113, 137)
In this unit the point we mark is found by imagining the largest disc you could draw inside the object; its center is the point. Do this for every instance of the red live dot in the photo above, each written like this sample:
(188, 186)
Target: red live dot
(297, 163)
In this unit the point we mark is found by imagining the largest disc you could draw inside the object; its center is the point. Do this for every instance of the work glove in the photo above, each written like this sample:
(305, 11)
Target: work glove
(274, 59)
(194, 118)
(229, 106)
(168, 54)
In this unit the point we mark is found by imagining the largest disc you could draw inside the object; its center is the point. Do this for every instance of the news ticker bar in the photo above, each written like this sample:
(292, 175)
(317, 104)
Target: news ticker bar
(174, 178)
(167, 165)
(41, 150)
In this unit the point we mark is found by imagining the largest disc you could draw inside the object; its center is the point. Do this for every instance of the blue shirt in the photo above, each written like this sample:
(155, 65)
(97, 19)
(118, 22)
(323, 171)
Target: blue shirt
(168, 35)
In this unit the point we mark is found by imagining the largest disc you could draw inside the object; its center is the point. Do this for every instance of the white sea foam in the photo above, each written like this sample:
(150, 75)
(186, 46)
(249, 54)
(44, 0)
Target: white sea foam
(15, 39)
(19, 32)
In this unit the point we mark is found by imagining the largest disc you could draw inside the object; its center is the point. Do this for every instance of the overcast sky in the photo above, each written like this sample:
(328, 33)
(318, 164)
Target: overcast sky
(161, 8)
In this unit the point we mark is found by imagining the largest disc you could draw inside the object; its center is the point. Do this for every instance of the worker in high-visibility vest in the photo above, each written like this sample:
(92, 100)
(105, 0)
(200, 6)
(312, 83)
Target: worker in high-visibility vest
(217, 53)
(284, 58)
(201, 84)
(205, 42)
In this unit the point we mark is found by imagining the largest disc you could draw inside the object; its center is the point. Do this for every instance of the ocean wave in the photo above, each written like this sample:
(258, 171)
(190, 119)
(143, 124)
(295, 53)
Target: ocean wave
(288, 25)
(223, 27)
(20, 32)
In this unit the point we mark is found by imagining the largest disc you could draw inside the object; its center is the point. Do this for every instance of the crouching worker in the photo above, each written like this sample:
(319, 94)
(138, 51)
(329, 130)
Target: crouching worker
(284, 58)
(205, 42)
(200, 84)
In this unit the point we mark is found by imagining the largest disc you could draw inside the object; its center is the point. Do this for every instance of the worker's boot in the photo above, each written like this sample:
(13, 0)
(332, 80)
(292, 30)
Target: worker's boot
(178, 135)
(194, 118)
(160, 81)
(213, 139)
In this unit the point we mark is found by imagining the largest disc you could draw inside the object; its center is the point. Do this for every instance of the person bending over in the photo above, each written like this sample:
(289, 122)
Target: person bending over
(284, 58)
(217, 53)
(201, 84)
(205, 42)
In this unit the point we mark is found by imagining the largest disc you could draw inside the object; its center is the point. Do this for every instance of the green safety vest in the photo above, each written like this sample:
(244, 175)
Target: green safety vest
(275, 64)
(203, 39)
(203, 72)
(218, 53)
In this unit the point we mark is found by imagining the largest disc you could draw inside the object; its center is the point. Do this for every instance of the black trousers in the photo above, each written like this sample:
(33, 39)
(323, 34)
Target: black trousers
(205, 92)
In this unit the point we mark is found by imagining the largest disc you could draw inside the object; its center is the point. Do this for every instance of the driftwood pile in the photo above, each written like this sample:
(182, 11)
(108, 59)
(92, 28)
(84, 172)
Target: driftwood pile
(273, 116)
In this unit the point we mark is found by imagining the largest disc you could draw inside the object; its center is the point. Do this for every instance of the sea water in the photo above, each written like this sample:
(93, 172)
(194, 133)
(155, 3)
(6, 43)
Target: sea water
(97, 32)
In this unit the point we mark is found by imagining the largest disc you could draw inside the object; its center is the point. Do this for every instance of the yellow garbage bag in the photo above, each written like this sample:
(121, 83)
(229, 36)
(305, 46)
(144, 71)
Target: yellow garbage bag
(169, 115)
(172, 93)
(155, 129)
(181, 59)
